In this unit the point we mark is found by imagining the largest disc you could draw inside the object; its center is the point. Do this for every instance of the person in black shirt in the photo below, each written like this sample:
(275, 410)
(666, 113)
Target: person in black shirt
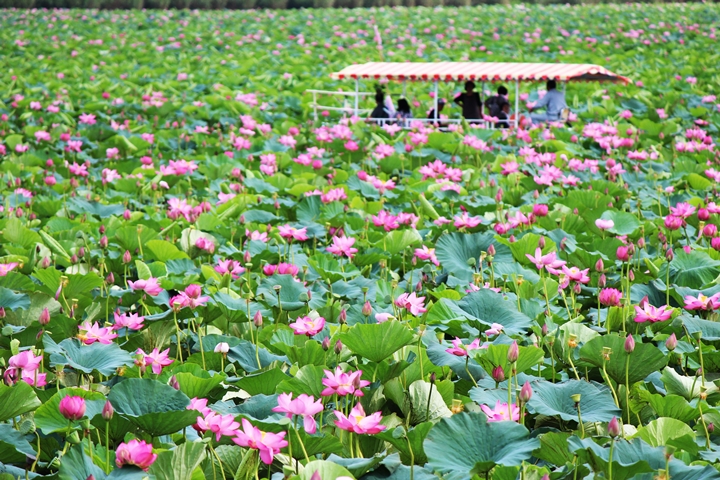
(496, 103)
(431, 113)
(470, 102)
(379, 111)
(503, 117)
(403, 112)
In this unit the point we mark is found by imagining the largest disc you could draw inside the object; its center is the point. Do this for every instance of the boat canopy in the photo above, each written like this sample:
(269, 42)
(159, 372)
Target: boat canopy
(480, 71)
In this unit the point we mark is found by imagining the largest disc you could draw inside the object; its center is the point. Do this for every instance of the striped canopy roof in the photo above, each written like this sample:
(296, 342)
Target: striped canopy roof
(481, 71)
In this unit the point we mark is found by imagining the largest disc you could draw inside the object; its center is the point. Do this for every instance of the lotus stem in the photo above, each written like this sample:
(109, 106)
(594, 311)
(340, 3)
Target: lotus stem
(610, 458)
(467, 370)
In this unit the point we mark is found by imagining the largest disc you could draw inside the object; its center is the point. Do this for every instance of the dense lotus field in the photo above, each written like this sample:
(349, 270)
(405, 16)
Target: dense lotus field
(198, 281)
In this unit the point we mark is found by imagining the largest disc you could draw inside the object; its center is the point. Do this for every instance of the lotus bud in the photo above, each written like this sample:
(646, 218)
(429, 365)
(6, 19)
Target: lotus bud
(525, 393)
(126, 257)
(91, 477)
(631, 275)
(107, 411)
(342, 318)
(498, 374)
(629, 344)
(367, 309)
(103, 241)
(126, 214)
(309, 294)
(602, 281)
(173, 382)
(599, 265)
(669, 255)
(641, 242)
(2, 312)
(72, 407)
(614, 428)
(222, 347)
(247, 258)
(544, 329)
(491, 250)
(577, 289)
(511, 239)
(513, 352)
(45, 262)
(541, 242)
(258, 319)
(74, 259)
(671, 342)
(711, 427)
(433, 378)
(703, 214)
(338, 347)
(110, 279)
(622, 254)
(326, 344)
(44, 318)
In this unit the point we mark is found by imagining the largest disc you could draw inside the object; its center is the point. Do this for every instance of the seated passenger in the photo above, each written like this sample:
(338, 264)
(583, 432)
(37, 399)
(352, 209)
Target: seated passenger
(495, 104)
(503, 117)
(431, 113)
(553, 102)
(380, 111)
(403, 113)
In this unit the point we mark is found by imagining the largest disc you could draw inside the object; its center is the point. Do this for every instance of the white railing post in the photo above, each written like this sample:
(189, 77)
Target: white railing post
(315, 105)
(517, 103)
(357, 97)
(435, 110)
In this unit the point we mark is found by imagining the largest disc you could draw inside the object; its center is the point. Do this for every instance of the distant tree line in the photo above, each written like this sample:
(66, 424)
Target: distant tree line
(249, 4)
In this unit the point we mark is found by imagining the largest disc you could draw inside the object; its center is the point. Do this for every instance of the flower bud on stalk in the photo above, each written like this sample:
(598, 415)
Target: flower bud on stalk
(338, 347)
(513, 352)
(258, 319)
(614, 428)
(498, 374)
(629, 344)
(108, 411)
(671, 342)
(525, 393)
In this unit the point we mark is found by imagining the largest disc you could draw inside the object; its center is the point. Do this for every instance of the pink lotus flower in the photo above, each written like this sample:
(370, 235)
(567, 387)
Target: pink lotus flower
(155, 359)
(466, 221)
(87, 119)
(307, 325)
(72, 407)
(576, 275)
(304, 405)
(501, 412)
(610, 297)
(190, 298)
(199, 405)
(232, 267)
(269, 444)
(495, 329)
(6, 268)
(411, 302)
(24, 366)
(343, 383)
(604, 224)
(649, 313)
(343, 246)
(281, 269)
(290, 232)
(426, 253)
(90, 334)
(135, 452)
(112, 153)
(702, 302)
(131, 321)
(149, 286)
(682, 210)
(358, 422)
(549, 261)
(220, 425)
(459, 349)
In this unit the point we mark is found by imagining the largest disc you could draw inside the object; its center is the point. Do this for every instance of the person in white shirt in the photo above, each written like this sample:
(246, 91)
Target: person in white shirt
(553, 102)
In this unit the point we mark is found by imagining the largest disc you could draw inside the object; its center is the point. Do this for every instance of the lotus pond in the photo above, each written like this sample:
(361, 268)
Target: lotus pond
(198, 281)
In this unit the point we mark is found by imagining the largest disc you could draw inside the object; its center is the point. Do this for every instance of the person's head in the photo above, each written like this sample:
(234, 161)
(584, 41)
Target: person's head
(469, 86)
(551, 85)
(502, 90)
(379, 96)
(441, 104)
(403, 106)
